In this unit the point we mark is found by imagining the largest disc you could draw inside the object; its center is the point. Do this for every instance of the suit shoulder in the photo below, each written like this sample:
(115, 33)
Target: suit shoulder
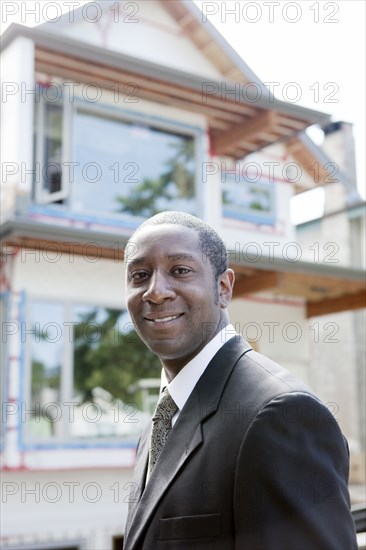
(263, 380)
(265, 369)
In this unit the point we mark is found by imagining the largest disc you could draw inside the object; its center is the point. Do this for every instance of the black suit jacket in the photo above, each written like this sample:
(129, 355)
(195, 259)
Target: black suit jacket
(254, 461)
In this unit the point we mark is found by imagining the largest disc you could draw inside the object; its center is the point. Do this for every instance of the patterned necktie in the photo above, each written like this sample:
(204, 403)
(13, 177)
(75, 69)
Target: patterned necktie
(162, 424)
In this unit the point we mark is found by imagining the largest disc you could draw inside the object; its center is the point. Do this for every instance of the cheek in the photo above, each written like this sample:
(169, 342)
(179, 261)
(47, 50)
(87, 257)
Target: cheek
(201, 314)
(131, 303)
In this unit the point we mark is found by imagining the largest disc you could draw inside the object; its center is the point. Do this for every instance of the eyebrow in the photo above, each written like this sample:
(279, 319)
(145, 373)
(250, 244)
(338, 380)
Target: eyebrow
(135, 261)
(176, 256)
(181, 256)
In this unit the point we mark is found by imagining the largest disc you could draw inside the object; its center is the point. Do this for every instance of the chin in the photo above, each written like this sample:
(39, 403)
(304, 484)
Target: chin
(161, 349)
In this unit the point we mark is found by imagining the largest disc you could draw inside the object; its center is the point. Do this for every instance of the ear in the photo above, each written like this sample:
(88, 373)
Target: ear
(226, 284)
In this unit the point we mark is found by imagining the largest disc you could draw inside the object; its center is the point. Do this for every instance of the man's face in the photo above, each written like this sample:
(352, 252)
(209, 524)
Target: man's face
(172, 295)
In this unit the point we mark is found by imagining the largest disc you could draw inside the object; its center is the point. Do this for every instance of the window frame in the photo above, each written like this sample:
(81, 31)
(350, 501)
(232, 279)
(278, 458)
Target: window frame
(41, 196)
(247, 213)
(5, 300)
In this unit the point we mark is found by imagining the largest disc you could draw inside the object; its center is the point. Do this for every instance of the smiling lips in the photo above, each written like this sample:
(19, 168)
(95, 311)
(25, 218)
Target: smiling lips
(166, 319)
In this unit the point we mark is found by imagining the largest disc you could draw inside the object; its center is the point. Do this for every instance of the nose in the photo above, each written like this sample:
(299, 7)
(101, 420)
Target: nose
(159, 289)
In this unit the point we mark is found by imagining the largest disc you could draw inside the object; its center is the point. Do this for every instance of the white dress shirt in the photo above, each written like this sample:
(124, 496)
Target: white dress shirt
(180, 388)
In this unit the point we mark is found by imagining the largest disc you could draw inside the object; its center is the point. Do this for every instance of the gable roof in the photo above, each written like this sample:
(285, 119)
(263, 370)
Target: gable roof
(203, 34)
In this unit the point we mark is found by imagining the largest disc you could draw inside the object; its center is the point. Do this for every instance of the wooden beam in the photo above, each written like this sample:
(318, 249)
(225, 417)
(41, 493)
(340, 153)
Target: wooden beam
(56, 64)
(263, 122)
(262, 280)
(292, 122)
(314, 287)
(144, 93)
(247, 146)
(200, 36)
(284, 131)
(267, 136)
(209, 46)
(185, 20)
(346, 302)
(306, 159)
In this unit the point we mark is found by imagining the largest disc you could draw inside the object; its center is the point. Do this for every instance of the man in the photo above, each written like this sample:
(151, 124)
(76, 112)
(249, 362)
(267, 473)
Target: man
(253, 459)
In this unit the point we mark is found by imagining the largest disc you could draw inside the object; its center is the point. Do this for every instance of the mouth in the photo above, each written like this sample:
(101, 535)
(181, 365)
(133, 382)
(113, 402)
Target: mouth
(163, 320)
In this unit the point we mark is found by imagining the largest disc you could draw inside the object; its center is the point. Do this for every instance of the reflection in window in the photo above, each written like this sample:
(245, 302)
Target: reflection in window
(47, 346)
(51, 170)
(110, 362)
(50, 183)
(128, 168)
(248, 201)
(91, 376)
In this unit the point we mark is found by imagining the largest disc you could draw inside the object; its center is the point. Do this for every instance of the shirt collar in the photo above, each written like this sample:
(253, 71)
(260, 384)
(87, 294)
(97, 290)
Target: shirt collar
(180, 388)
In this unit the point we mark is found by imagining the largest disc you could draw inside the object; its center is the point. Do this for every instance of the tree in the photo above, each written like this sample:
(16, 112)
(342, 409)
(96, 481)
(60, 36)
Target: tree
(108, 358)
(176, 182)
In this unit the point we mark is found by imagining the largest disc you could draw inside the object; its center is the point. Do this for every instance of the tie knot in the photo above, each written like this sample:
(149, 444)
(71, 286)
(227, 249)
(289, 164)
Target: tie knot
(166, 407)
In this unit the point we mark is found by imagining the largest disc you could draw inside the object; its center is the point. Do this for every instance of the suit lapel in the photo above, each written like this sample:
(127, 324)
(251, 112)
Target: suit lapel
(184, 438)
(139, 474)
(182, 441)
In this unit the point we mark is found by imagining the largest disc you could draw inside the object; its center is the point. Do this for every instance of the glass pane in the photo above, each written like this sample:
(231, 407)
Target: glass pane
(47, 351)
(3, 360)
(248, 201)
(116, 379)
(51, 171)
(131, 169)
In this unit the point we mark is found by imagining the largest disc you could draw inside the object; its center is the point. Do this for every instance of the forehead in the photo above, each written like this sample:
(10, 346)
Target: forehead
(164, 240)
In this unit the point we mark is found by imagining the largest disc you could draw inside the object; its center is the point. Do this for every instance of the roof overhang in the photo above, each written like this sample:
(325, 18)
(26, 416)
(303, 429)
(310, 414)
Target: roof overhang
(242, 117)
(323, 288)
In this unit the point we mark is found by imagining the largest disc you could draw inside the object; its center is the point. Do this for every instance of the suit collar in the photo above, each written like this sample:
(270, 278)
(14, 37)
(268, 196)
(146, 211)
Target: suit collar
(185, 437)
(181, 387)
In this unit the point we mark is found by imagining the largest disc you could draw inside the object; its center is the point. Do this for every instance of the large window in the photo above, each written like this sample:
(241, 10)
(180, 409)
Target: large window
(100, 161)
(135, 169)
(90, 376)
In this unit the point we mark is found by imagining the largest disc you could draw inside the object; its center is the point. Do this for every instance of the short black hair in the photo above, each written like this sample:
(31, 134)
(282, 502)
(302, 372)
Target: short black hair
(213, 247)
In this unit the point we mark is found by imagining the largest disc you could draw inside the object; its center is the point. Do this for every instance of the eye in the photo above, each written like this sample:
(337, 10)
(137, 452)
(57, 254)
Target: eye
(181, 270)
(138, 275)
